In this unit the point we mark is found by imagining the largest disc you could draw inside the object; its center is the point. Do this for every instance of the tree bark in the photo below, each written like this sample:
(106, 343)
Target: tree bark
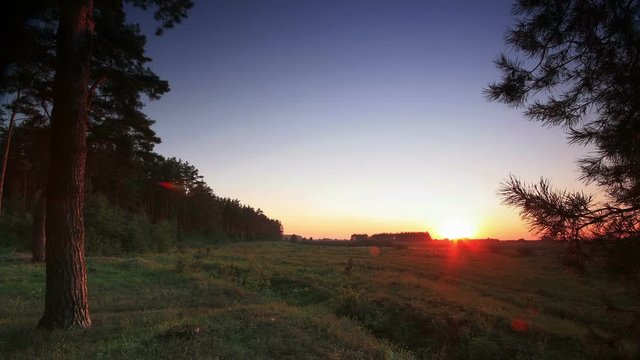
(7, 146)
(66, 300)
(39, 239)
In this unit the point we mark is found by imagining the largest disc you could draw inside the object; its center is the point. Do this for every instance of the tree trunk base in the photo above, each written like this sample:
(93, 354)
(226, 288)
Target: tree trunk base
(57, 322)
(38, 245)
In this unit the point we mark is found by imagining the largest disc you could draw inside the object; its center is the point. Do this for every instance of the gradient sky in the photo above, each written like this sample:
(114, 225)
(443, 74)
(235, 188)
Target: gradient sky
(352, 116)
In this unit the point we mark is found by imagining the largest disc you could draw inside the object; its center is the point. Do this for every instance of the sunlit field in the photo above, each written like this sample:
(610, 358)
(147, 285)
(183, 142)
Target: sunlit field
(460, 300)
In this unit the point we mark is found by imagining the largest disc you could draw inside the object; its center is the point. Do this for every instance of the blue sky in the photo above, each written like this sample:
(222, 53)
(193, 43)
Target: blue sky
(352, 116)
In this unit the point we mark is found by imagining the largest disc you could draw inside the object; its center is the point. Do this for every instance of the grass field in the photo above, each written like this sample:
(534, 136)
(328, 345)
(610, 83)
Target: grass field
(300, 301)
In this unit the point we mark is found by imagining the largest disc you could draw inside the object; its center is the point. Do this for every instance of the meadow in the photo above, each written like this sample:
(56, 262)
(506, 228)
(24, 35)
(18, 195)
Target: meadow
(280, 300)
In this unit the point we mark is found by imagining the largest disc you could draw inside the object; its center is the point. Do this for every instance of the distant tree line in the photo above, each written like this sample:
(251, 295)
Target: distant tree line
(137, 199)
(393, 237)
(130, 189)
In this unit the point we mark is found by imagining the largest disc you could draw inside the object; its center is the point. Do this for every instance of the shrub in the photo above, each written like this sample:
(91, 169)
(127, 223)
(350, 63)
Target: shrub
(112, 230)
(622, 257)
(15, 231)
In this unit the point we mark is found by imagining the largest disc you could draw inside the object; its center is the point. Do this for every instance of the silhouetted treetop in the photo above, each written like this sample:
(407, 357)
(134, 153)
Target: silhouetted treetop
(576, 65)
(167, 12)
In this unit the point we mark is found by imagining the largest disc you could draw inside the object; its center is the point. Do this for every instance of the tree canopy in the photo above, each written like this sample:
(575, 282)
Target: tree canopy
(122, 166)
(82, 70)
(576, 65)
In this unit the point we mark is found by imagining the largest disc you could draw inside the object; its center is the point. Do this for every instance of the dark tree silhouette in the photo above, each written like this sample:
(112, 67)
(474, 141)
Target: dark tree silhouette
(576, 65)
(121, 166)
(119, 133)
(66, 301)
(29, 79)
(13, 34)
(579, 69)
(7, 145)
(38, 242)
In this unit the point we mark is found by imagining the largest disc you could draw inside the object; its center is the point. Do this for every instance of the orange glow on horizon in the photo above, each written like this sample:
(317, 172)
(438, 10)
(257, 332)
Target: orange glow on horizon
(453, 222)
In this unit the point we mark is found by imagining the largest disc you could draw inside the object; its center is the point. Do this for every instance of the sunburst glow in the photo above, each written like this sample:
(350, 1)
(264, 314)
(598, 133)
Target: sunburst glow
(456, 228)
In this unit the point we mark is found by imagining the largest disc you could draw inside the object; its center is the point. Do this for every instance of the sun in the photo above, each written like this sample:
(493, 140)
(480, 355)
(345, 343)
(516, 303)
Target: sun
(456, 228)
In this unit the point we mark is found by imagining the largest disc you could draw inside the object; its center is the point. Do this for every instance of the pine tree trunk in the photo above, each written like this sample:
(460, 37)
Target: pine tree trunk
(66, 301)
(39, 239)
(7, 146)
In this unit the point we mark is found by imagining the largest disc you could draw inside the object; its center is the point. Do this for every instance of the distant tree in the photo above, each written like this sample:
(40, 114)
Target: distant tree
(576, 65)
(7, 145)
(359, 237)
(29, 82)
(177, 191)
(399, 237)
(38, 242)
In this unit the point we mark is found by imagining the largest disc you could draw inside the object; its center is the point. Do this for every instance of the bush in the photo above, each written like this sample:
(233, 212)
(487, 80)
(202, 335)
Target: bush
(622, 257)
(15, 231)
(111, 230)
(573, 259)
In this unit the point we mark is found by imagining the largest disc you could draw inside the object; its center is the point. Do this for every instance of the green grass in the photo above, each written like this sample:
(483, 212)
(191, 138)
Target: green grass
(291, 301)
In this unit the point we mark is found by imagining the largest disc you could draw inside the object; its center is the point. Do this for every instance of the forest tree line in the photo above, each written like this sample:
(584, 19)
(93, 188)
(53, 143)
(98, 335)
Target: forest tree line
(392, 237)
(137, 200)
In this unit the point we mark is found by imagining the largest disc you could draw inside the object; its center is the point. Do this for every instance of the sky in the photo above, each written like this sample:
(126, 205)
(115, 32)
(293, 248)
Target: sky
(352, 116)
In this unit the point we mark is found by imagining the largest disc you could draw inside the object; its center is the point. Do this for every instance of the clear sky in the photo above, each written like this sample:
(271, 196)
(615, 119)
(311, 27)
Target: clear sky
(352, 116)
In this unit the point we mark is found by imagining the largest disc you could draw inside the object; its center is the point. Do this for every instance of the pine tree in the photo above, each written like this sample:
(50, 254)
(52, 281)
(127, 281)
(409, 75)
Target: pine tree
(576, 65)
(66, 300)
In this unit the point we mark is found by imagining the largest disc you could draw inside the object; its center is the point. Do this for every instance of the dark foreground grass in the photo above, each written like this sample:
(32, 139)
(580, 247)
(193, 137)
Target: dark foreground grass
(288, 301)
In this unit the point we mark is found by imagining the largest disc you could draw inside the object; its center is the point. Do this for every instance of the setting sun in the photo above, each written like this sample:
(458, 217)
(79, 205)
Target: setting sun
(456, 228)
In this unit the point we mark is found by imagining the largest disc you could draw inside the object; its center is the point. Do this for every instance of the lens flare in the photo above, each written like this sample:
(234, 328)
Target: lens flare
(170, 186)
